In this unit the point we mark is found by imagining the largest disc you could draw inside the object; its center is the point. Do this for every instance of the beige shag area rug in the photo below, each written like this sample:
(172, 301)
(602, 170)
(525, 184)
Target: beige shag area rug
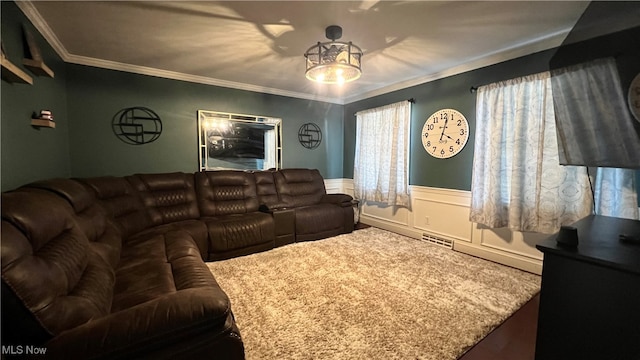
(371, 294)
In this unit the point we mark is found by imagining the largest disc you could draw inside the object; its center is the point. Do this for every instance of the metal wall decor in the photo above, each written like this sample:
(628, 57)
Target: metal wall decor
(310, 135)
(137, 125)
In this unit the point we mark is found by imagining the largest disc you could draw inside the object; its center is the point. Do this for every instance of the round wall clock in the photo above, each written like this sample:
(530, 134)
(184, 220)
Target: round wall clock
(445, 133)
(634, 97)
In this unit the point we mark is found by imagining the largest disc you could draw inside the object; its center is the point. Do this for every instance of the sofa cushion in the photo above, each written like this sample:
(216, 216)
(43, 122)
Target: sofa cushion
(157, 264)
(48, 263)
(266, 189)
(239, 231)
(92, 218)
(170, 202)
(319, 218)
(168, 197)
(195, 323)
(121, 202)
(226, 192)
(299, 187)
(229, 205)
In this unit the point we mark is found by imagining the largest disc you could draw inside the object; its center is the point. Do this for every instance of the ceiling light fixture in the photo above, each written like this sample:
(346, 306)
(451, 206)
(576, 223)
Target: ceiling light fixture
(333, 62)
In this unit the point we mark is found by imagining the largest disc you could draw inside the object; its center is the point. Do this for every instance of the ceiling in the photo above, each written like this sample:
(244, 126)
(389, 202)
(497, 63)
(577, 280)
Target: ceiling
(259, 45)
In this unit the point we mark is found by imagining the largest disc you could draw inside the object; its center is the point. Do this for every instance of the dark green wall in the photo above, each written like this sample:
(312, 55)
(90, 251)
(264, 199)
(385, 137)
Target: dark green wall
(85, 99)
(450, 92)
(27, 153)
(96, 95)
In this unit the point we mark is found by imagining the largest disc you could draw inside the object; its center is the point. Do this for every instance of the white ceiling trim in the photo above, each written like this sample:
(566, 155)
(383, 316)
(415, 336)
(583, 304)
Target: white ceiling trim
(174, 75)
(536, 45)
(38, 22)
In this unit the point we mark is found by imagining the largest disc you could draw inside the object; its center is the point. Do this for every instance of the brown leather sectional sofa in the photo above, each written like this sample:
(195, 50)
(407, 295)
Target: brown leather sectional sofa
(114, 267)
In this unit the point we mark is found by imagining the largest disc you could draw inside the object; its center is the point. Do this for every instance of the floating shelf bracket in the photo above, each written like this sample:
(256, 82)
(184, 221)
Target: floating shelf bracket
(12, 73)
(35, 64)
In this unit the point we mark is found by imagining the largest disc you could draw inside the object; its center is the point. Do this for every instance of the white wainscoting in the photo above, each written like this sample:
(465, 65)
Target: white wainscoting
(444, 213)
(334, 186)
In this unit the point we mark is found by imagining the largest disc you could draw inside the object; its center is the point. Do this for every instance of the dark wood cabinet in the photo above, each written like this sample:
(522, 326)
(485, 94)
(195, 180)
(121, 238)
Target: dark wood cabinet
(590, 295)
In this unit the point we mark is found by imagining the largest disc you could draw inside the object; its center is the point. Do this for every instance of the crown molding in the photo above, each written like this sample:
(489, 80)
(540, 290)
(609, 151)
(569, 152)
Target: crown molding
(174, 75)
(510, 53)
(41, 25)
(530, 47)
(38, 22)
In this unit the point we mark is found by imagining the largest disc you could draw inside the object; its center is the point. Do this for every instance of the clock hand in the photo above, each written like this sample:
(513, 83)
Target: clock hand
(444, 128)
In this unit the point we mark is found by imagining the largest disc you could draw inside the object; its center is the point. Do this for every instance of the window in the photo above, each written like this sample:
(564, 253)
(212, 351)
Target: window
(381, 166)
(517, 180)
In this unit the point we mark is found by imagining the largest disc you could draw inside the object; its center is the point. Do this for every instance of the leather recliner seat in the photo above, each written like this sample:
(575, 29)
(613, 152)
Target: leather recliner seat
(114, 267)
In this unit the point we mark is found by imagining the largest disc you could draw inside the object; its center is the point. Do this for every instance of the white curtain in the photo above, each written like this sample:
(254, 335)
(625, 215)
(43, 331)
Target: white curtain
(517, 181)
(381, 162)
(615, 193)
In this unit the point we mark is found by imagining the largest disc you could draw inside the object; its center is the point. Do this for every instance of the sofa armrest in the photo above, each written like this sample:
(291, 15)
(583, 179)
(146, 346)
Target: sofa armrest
(149, 327)
(343, 200)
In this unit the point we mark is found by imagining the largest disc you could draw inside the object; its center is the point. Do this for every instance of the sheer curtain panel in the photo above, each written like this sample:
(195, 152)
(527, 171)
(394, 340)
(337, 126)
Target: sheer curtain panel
(615, 193)
(517, 179)
(381, 163)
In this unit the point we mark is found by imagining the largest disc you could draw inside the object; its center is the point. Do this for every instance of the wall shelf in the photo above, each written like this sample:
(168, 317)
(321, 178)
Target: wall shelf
(38, 67)
(34, 61)
(14, 74)
(43, 123)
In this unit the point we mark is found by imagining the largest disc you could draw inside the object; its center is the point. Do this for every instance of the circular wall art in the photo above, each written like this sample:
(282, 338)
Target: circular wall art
(445, 133)
(137, 125)
(310, 135)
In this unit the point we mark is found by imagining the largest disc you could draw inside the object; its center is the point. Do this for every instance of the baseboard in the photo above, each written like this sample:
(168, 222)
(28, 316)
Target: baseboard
(389, 226)
(530, 265)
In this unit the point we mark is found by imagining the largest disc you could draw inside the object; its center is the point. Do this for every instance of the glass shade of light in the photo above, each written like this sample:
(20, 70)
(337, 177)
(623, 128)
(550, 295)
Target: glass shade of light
(333, 62)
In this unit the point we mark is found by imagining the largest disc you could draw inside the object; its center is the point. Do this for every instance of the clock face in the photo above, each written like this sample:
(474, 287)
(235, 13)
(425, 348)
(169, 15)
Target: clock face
(445, 133)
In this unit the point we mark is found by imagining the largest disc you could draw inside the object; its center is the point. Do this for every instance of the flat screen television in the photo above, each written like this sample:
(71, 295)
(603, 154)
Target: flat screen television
(594, 90)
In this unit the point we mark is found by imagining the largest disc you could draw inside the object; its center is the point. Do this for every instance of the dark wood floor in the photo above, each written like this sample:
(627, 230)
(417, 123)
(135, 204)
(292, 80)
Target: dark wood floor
(515, 339)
